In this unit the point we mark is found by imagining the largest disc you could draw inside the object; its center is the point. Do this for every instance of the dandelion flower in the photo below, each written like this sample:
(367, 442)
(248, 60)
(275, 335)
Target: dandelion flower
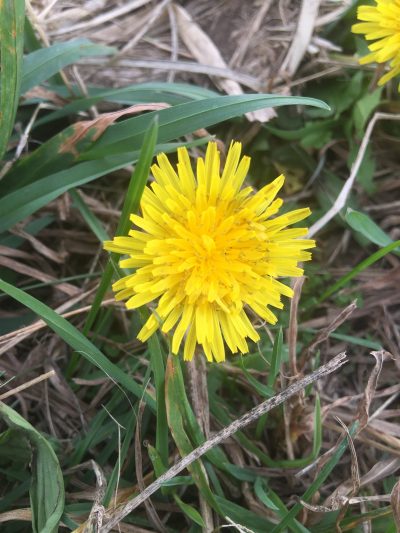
(208, 253)
(381, 23)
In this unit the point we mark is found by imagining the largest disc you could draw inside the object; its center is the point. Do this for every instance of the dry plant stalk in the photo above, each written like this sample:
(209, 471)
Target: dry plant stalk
(197, 374)
(204, 50)
(302, 37)
(341, 200)
(28, 384)
(252, 415)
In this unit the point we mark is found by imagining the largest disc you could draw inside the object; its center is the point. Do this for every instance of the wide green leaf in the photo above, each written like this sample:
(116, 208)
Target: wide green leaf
(362, 223)
(47, 485)
(189, 117)
(21, 203)
(189, 511)
(76, 142)
(26, 200)
(12, 16)
(42, 64)
(124, 138)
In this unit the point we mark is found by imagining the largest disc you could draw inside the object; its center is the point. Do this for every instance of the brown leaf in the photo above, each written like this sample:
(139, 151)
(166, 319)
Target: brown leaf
(97, 126)
(45, 94)
(363, 409)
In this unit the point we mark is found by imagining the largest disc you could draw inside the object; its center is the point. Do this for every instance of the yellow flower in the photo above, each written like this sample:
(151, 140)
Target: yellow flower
(208, 253)
(381, 23)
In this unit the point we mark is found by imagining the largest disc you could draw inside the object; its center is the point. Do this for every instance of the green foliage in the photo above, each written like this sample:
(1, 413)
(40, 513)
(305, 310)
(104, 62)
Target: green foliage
(75, 339)
(47, 484)
(366, 226)
(314, 140)
(42, 64)
(11, 47)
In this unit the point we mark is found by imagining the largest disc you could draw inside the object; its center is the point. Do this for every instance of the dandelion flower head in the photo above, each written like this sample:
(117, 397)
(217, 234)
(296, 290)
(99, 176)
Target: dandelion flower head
(208, 253)
(381, 23)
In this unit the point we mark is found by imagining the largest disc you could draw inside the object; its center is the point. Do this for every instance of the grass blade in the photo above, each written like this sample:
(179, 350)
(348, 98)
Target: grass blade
(76, 340)
(42, 64)
(276, 358)
(176, 423)
(170, 93)
(186, 118)
(359, 268)
(131, 205)
(323, 474)
(158, 369)
(47, 485)
(12, 17)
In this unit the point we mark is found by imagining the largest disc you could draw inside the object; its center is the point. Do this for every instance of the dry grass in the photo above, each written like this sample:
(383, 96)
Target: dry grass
(151, 37)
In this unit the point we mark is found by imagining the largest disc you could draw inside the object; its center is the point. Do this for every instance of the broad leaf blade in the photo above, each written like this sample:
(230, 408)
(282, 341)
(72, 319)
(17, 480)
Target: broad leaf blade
(366, 226)
(63, 150)
(47, 486)
(189, 117)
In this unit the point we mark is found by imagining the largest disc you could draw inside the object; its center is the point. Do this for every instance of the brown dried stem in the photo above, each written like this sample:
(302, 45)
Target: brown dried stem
(222, 435)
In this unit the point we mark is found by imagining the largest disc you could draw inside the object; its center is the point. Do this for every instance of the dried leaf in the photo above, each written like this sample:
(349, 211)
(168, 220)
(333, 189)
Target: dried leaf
(34, 273)
(363, 409)
(302, 37)
(206, 53)
(96, 127)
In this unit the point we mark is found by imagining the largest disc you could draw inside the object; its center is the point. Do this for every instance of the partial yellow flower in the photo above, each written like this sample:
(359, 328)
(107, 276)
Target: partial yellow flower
(208, 253)
(381, 23)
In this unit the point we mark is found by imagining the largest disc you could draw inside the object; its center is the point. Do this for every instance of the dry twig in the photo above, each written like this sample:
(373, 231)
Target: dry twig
(26, 385)
(344, 193)
(222, 435)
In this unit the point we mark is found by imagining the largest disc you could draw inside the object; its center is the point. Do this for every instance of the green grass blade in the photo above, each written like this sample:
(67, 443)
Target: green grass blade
(158, 369)
(176, 423)
(139, 178)
(189, 511)
(91, 220)
(317, 442)
(24, 201)
(170, 93)
(76, 340)
(272, 501)
(186, 118)
(42, 64)
(47, 485)
(276, 358)
(359, 268)
(12, 17)
(27, 199)
(265, 391)
(321, 477)
(131, 205)
(53, 160)
(244, 517)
